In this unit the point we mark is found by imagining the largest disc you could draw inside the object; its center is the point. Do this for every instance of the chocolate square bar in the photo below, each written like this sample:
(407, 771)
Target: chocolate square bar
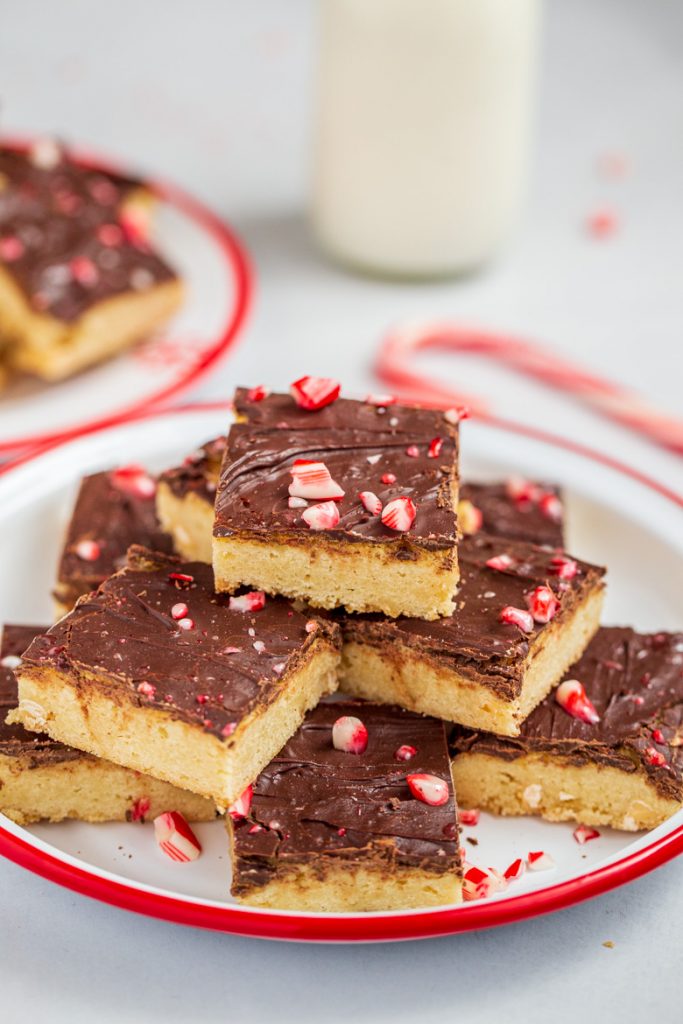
(185, 500)
(521, 509)
(523, 615)
(604, 749)
(78, 279)
(155, 672)
(351, 505)
(333, 830)
(112, 511)
(42, 779)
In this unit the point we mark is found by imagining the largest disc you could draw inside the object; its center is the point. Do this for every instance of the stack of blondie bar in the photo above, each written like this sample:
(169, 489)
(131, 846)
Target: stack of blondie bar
(311, 627)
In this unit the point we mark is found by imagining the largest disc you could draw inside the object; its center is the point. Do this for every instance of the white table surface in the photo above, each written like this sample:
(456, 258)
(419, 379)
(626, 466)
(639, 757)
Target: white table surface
(218, 95)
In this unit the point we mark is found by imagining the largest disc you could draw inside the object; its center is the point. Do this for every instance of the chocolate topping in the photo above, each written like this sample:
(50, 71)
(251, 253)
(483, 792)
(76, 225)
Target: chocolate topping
(310, 792)
(125, 638)
(15, 741)
(64, 238)
(506, 517)
(108, 512)
(473, 640)
(255, 476)
(197, 474)
(635, 682)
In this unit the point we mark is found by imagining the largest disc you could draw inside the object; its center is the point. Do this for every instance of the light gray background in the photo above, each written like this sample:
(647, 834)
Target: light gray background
(218, 95)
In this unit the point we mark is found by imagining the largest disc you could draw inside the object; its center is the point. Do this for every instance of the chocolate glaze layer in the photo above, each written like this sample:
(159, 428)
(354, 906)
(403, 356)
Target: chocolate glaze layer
(253, 491)
(635, 681)
(125, 636)
(108, 512)
(504, 516)
(473, 641)
(197, 474)
(63, 212)
(311, 791)
(33, 748)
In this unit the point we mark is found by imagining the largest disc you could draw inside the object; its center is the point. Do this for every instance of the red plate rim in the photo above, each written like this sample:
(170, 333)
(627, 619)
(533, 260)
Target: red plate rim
(350, 927)
(239, 271)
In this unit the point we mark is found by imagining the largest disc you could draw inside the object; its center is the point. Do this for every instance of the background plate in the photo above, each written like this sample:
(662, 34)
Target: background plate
(218, 279)
(612, 513)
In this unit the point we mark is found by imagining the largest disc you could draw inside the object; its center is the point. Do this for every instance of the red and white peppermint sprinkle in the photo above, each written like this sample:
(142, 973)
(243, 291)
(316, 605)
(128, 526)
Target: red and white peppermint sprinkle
(479, 884)
(370, 502)
(297, 502)
(350, 735)
(517, 617)
(457, 414)
(259, 646)
(312, 480)
(321, 517)
(435, 446)
(228, 729)
(88, 550)
(45, 153)
(515, 870)
(539, 860)
(258, 393)
(179, 611)
(584, 834)
(571, 696)
(83, 270)
(654, 757)
(388, 478)
(380, 400)
(180, 578)
(139, 809)
(405, 752)
(470, 518)
(523, 491)
(565, 568)
(500, 562)
(254, 601)
(399, 514)
(147, 690)
(470, 817)
(374, 459)
(242, 805)
(176, 838)
(186, 623)
(551, 507)
(110, 234)
(430, 789)
(313, 393)
(11, 248)
(135, 480)
(543, 604)
(658, 736)
(413, 451)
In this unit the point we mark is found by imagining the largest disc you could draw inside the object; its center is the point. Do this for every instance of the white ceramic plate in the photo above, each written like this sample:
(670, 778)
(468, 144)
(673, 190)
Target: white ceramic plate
(615, 517)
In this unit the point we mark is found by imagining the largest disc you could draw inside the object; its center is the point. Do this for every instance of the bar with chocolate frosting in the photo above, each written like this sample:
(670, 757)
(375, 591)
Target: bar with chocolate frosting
(523, 510)
(185, 500)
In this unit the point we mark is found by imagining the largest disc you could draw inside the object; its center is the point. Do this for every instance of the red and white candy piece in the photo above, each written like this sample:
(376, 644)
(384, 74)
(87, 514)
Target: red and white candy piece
(380, 400)
(179, 611)
(654, 757)
(584, 834)
(430, 789)
(523, 491)
(539, 860)
(297, 503)
(517, 617)
(413, 451)
(175, 837)
(258, 393)
(456, 414)
(242, 805)
(135, 480)
(370, 502)
(405, 752)
(254, 601)
(551, 507)
(543, 604)
(321, 517)
(313, 393)
(500, 562)
(470, 817)
(563, 567)
(399, 514)
(88, 550)
(350, 735)
(515, 870)
(479, 884)
(571, 696)
(435, 446)
(388, 478)
(313, 480)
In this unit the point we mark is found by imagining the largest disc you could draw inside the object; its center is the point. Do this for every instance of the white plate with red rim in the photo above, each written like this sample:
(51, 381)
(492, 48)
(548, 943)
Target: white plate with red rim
(214, 265)
(612, 512)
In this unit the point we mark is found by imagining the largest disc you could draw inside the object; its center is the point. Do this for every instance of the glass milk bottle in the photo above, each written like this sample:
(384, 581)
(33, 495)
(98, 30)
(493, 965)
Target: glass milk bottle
(422, 131)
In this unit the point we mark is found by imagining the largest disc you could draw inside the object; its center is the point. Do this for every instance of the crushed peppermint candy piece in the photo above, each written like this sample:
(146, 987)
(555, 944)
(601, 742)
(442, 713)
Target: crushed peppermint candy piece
(430, 789)
(388, 478)
(413, 451)
(88, 550)
(313, 480)
(135, 480)
(380, 400)
(539, 860)
(140, 808)
(399, 514)
(185, 623)
(551, 507)
(313, 393)
(297, 502)
(405, 752)
(258, 393)
(517, 617)
(563, 567)
(479, 884)
(435, 446)
(179, 611)
(515, 870)
(242, 805)
(175, 837)
(147, 690)
(655, 757)
(254, 601)
(583, 834)
(500, 562)
(571, 696)
(350, 735)
(370, 502)
(321, 517)
(543, 604)
(455, 415)
(470, 817)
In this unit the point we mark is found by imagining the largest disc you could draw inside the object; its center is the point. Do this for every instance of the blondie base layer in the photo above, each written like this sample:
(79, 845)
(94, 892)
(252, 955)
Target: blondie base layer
(492, 662)
(352, 505)
(331, 830)
(155, 672)
(41, 779)
(623, 768)
(78, 282)
(112, 511)
(185, 500)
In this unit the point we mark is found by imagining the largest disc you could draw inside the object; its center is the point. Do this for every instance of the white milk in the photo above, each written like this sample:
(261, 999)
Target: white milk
(423, 123)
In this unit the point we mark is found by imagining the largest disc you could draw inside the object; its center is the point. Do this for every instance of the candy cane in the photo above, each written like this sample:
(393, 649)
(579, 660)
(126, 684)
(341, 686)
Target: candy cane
(393, 367)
